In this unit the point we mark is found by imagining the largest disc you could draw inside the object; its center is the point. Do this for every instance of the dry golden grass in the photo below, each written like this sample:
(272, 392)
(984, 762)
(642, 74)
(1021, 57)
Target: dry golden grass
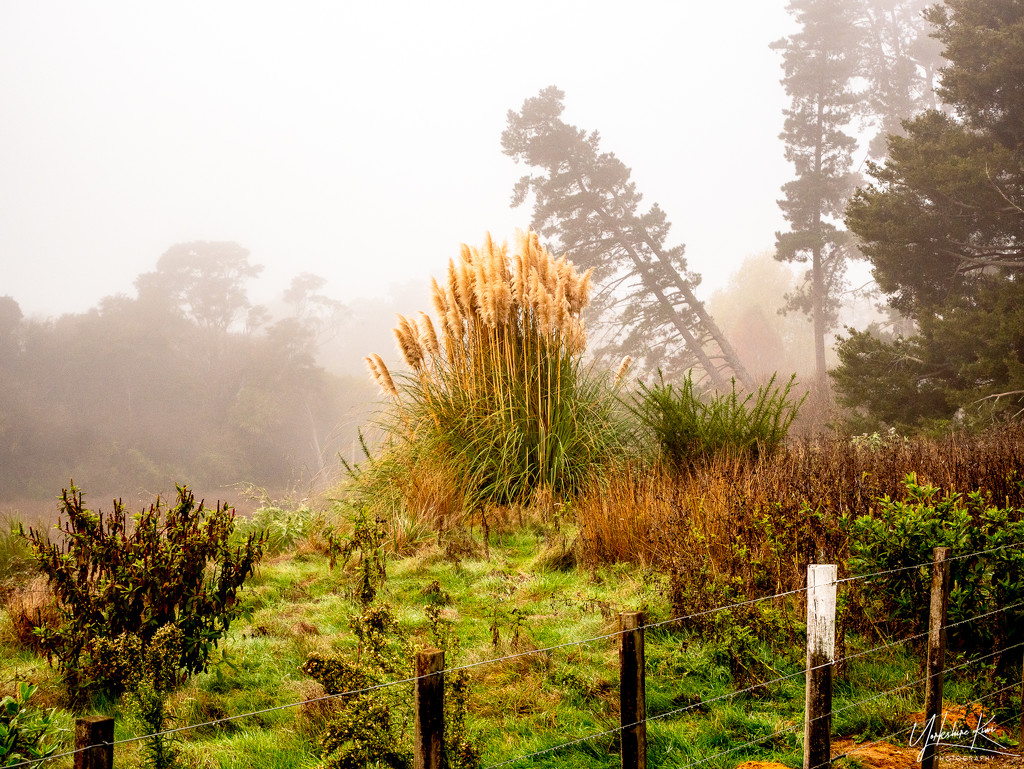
(493, 303)
(764, 521)
(28, 606)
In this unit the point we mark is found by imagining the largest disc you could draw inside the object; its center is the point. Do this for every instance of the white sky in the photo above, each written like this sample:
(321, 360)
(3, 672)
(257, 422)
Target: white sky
(361, 141)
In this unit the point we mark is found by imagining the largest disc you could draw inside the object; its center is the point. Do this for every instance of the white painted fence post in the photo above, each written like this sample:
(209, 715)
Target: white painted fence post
(821, 653)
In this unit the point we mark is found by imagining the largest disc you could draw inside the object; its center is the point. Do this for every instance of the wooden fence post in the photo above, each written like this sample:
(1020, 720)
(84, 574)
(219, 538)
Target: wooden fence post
(936, 656)
(632, 691)
(429, 747)
(1020, 731)
(94, 736)
(821, 652)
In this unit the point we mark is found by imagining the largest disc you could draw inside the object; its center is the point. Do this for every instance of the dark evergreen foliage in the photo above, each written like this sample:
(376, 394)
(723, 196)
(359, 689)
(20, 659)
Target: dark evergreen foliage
(943, 226)
(118, 578)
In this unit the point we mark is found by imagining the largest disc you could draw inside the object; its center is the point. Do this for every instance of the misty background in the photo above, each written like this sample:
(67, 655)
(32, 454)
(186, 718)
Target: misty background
(341, 152)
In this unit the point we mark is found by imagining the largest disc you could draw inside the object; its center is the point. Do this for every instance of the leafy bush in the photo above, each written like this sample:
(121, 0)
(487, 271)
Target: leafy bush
(904, 533)
(367, 542)
(119, 577)
(367, 726)
(689, 426)
(498, 404)
(282, 529)
(15, 557)
(26, 734)
(371, 728)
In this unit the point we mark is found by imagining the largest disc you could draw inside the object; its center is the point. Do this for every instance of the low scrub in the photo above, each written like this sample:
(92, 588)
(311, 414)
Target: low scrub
(118, 579)
(764, 521)
(903, 533)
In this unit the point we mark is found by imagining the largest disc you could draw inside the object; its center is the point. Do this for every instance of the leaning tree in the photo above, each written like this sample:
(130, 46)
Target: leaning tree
(585, 201)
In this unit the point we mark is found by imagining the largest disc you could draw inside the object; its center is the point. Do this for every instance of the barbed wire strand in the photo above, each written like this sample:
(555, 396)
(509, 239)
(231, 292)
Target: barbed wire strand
(593, 639)
(226, 719)
(948, 749)
(388, 684)
(917, 681)
(861, 702)
(607, 732)
(959, 557)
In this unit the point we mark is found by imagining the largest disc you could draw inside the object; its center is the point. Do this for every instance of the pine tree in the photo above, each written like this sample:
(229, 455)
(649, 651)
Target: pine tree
(585, 199)
(943, 226)
(820, 62)
(899, 64)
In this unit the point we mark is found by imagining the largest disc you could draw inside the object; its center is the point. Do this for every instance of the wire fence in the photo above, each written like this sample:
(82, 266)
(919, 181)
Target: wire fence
(674, 621)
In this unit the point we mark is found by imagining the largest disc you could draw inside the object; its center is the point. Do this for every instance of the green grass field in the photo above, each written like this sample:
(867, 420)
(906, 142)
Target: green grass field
(516, 601)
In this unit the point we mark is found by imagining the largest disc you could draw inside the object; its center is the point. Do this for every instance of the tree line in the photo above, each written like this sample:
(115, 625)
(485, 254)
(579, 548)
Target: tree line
(186, 381)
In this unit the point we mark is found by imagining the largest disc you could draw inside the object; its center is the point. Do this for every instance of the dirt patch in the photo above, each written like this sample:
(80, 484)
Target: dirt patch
(885, 755)
(878, 755)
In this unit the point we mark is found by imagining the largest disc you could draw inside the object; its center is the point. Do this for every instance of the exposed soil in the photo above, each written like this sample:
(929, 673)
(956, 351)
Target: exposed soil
(886, 755)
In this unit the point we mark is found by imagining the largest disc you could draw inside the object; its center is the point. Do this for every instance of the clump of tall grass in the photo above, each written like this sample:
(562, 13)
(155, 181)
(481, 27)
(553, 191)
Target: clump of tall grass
(689, 426)
(498, 404)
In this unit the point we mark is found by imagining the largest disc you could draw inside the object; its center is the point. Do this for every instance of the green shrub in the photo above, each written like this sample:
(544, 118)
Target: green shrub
(688, 426)
(366, 730)
(113, 575)
(26, 734)
(366, 542)
(151, 677)
(281, 529)
(903, 533)
(15, 556)
(371, 729)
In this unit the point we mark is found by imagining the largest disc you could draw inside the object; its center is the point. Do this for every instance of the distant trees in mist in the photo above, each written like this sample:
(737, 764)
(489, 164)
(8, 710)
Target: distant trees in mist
(853, 65)
(187, 382)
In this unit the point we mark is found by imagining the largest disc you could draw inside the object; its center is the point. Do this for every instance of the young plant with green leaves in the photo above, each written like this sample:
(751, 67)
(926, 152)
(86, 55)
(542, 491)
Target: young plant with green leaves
(26, 734)
(115, 575)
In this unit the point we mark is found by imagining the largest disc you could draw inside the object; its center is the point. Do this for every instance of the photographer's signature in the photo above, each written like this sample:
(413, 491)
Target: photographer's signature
(957, 734)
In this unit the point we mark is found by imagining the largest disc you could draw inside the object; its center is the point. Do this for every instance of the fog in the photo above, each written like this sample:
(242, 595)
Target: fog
(360, 142)
(357, 142)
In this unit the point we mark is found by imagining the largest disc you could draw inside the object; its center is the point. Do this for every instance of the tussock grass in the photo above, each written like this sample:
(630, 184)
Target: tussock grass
(15, 554)
(498, 409)
(689, 427)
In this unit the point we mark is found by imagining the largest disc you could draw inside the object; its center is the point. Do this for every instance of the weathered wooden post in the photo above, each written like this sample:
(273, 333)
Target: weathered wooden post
(632, 691)
(94, 737)
(429, 748)
(936, 656)
(1020, 733)
(821, 652)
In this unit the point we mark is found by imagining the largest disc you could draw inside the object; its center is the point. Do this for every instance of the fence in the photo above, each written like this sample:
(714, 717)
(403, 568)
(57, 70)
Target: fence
(94, 742)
